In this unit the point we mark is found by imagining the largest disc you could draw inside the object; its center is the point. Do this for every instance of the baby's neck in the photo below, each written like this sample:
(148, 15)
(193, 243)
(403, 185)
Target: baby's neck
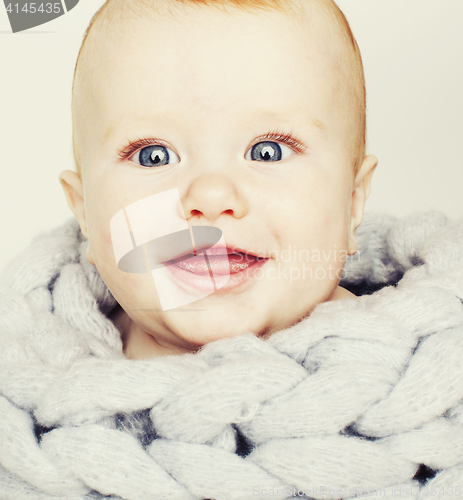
(341, 293)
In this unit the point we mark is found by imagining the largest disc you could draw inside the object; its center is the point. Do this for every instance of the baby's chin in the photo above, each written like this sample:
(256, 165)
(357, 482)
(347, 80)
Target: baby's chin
(204, 326)
(187, 331)
(140, 343)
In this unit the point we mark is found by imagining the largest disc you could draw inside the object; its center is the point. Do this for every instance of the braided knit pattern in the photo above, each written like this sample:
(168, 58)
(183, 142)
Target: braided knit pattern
(360, 397)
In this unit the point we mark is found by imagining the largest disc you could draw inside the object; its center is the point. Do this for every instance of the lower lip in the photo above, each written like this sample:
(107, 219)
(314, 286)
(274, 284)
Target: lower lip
(202, 282)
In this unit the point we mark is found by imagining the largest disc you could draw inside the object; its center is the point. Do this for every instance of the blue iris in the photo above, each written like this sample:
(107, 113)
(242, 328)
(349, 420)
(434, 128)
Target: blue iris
(266, 151)
(154, 156)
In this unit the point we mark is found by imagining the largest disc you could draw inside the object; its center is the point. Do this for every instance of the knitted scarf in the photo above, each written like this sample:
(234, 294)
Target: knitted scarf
(362, 398)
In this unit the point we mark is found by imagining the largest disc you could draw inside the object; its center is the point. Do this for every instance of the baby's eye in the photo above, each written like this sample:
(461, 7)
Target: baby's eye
(155, 156)
(268, 151)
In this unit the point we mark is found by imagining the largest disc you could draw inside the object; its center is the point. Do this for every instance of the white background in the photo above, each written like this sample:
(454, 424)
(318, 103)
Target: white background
(413, 58)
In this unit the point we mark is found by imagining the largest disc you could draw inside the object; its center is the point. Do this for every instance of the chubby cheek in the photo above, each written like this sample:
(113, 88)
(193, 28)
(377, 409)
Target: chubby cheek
(133, 291)
(314, 239)
(318, 209)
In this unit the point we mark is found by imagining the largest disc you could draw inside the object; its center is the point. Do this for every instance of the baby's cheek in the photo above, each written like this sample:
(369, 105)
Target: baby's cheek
(107, 242)
(101, 249)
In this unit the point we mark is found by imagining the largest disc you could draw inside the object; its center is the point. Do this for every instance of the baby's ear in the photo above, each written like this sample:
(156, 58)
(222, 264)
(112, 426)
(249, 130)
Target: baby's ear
(360, 193)
(74, 192)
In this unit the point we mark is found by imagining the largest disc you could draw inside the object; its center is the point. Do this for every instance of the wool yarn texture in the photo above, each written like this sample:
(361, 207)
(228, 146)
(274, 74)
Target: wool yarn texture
(362, 398)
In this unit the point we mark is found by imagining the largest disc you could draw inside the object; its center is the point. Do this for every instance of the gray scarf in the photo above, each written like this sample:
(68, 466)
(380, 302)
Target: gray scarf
(363, 397)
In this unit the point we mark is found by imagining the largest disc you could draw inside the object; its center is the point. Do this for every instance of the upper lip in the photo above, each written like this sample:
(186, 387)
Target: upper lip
(219, 250)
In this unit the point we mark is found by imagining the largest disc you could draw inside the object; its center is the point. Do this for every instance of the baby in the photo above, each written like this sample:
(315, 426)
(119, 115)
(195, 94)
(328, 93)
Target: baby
(254, 111)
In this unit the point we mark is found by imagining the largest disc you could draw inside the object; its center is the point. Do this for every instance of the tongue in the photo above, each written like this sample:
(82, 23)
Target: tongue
(220, 264)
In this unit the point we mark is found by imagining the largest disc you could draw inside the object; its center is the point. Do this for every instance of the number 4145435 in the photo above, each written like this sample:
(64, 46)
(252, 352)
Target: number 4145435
(33, 7)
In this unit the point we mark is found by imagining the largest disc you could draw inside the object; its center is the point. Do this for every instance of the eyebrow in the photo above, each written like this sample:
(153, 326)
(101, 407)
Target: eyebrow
(288, 117)
(114, 128)
(278, 117)
(318, 124)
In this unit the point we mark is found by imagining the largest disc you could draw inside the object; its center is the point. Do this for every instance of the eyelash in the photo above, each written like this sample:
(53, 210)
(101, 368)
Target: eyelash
(276, 135)
(279, 135)
(139, 144)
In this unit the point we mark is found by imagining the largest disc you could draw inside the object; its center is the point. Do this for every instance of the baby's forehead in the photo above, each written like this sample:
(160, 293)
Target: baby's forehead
(321, 18)
(120, 22)
(316, 24)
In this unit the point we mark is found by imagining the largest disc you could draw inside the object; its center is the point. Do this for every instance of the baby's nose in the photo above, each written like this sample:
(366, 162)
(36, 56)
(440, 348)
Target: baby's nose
(212, 195)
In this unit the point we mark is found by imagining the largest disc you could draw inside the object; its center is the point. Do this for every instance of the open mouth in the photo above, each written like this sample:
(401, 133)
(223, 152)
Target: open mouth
(220, 270)
(220, 264)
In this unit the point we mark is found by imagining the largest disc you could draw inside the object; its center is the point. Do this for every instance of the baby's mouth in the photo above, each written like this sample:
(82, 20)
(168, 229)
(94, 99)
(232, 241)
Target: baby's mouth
(216, 269)
(220, 264)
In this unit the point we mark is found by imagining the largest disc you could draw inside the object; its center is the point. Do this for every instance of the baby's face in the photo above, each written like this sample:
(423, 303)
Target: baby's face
(204, 95)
